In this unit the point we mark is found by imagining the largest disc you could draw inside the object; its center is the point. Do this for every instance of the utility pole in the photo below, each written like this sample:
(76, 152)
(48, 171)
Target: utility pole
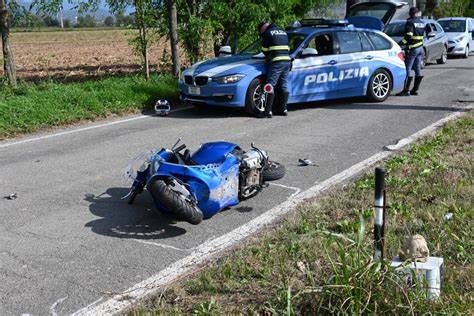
(61, 22)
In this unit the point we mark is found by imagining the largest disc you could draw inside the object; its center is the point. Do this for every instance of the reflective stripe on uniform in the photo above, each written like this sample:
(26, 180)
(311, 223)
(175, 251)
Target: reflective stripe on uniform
(280, 58)
(278, 47)
(418, 37)
(409, 33)
(415, 45)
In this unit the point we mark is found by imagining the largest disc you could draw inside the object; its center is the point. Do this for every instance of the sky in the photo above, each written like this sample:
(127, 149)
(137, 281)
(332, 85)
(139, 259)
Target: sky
(70, 13)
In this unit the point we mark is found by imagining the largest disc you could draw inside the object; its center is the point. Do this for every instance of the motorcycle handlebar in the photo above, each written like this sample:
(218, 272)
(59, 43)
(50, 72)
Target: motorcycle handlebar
(177, 150)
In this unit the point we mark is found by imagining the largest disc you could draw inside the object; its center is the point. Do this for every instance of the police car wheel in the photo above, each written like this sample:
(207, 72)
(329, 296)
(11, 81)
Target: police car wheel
(380, 86)
(255, 98)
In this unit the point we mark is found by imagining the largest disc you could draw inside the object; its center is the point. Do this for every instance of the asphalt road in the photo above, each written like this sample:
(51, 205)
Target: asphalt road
(68, 239)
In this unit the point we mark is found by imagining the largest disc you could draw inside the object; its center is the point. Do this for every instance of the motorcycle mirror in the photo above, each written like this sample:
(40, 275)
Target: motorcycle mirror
(176, 144)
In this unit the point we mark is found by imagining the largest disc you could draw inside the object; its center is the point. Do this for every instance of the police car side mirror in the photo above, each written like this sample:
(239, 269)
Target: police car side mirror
(431, 34)
(309, 52)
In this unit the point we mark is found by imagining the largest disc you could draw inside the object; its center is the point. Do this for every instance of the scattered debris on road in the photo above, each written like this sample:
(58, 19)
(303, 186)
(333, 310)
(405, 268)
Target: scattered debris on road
(306, 162)
(12, 196)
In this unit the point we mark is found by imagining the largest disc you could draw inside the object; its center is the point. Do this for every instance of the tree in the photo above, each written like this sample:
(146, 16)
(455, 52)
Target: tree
(204, 23)
(452, 8)
(49, 21)
(8, 60)
(109, 21)
(86, 21)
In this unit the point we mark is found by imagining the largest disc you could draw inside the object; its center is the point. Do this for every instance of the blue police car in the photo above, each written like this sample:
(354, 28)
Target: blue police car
(330, 59)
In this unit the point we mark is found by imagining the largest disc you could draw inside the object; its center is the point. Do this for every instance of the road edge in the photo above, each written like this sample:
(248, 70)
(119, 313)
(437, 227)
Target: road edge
(121, 302)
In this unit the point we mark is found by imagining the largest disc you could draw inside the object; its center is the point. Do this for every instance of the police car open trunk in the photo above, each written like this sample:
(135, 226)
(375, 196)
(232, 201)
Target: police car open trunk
(376, 14)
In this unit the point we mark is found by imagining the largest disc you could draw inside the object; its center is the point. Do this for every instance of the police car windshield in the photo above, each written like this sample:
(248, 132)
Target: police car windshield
(395, 29)
(453, 26)
(295, 40)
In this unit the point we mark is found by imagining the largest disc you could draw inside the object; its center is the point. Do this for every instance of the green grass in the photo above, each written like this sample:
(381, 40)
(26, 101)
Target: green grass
(319, 261)
(34, 106)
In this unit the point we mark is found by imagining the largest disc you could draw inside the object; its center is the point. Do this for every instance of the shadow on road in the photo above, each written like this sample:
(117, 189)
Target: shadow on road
(213, 112)
(210, 112)
(138, 221)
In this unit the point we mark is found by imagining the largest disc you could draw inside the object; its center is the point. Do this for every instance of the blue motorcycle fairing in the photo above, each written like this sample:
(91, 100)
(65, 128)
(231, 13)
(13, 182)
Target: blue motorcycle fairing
(214, 185)
(214, 152)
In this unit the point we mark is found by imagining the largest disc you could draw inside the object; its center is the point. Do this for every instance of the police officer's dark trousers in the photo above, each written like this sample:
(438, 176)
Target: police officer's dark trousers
(277, 76)
(414, 58)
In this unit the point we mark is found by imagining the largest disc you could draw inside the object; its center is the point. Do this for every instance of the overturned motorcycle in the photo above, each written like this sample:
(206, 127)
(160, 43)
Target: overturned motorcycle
(192, 187)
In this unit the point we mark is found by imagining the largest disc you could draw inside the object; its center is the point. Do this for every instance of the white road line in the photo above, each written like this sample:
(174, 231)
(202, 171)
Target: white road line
(297, 190)
(83, 129)
(146, 242)
(208, 250)
(88, 306)
(52, 309)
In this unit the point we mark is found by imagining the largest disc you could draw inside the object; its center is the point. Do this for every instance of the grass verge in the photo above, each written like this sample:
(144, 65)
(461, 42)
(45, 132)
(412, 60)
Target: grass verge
(319, 260)
(30, 107)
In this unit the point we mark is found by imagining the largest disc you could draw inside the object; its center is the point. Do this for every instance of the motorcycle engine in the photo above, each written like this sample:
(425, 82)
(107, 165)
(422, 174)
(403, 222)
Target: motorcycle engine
(250, 175)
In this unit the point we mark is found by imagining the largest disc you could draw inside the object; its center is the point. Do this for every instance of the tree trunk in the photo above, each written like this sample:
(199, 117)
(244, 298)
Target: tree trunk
(8, 61)
(145, 52)
(143, 40)
(173, 25)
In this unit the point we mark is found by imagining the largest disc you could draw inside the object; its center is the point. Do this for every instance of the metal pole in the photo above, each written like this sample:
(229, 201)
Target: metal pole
(379, 210)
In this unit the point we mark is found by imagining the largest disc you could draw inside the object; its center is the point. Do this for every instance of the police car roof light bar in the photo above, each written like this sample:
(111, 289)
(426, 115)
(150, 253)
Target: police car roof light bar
(321, 22)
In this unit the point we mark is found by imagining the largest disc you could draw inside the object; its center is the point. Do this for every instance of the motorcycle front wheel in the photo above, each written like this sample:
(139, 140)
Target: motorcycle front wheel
(174, 202)
(273, 171)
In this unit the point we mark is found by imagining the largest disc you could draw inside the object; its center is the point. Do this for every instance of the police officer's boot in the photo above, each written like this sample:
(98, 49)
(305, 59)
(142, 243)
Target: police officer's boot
(282, 102)
(406, 89)
(269, 104)
(416, 86)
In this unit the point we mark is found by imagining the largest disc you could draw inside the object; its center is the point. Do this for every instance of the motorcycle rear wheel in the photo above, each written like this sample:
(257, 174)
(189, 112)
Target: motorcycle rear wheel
(175, 203)
(273, 171)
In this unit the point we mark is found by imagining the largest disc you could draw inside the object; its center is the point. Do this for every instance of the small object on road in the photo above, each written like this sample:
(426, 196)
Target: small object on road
(162, 108)
(12, 196)
(305, 162)
(448, 216)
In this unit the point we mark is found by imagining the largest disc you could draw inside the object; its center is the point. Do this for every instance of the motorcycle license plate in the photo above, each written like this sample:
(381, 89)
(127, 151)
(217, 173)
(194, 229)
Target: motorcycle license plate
(194, 90)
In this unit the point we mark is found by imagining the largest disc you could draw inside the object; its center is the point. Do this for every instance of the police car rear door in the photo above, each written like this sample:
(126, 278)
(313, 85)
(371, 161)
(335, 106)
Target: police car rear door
(352, 63)
(309, 76)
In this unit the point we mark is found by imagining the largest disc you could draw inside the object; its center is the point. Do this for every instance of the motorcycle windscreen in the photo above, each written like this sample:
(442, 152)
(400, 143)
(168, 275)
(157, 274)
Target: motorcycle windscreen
(383, 11)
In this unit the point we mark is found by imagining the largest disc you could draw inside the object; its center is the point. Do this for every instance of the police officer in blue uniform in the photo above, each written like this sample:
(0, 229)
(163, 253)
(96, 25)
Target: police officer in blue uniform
(276, 48)
(413, 43)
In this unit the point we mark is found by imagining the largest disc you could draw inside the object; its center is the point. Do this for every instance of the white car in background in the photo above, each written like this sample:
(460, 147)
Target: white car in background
(460, 32)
